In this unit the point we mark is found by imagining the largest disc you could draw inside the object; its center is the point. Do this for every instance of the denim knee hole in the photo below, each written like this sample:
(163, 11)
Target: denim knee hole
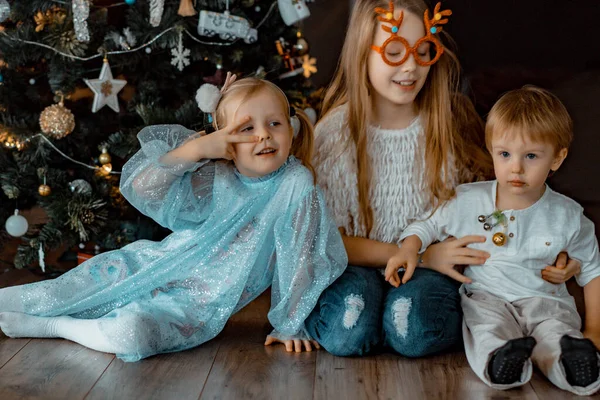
(400, 310)
(355, 304)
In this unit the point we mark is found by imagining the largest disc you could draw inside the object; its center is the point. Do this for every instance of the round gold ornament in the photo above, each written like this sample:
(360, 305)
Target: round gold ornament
(499, 239)
(44, 190)
(104, 157)
(57, 121)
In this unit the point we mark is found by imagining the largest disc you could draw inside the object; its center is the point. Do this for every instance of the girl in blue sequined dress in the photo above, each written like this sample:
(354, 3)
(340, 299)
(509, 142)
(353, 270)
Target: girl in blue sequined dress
(238, 228)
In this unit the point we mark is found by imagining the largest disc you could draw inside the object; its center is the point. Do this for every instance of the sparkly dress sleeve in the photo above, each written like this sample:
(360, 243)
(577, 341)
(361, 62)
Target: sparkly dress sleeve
(176, 195)
(310, 255)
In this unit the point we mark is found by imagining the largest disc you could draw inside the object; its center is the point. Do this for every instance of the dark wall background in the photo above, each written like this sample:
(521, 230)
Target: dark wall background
(504, 45)
(537, 34)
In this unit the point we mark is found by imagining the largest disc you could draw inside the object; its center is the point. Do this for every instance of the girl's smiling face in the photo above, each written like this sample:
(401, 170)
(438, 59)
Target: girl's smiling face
(398, 85)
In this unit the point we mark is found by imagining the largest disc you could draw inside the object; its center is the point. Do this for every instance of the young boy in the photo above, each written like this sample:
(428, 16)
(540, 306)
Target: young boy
(511, 315)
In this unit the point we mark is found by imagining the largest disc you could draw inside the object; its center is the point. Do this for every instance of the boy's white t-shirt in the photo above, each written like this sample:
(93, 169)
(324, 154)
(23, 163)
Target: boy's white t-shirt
(535, 237)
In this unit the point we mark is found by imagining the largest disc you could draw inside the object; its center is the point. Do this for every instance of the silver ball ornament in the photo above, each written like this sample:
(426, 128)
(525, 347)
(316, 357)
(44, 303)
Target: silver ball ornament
(301, 46)
(80, 186)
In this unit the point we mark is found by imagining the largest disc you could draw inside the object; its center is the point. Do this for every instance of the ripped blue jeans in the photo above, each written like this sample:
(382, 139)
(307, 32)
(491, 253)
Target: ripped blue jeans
(360, 311)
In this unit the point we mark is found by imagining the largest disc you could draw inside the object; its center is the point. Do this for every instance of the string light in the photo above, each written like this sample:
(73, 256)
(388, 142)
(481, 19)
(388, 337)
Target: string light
(108, 53)
(11, 143)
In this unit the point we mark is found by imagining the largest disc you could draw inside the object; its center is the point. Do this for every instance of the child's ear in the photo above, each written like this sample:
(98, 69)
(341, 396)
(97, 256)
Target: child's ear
(559, 158)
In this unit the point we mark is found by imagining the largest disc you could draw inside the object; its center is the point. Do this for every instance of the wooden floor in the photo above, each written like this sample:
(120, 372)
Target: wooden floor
(236, 365)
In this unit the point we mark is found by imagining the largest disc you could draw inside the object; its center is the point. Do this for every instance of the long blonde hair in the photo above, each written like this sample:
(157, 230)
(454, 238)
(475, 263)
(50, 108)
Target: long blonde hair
(302, 144)
(452, 126)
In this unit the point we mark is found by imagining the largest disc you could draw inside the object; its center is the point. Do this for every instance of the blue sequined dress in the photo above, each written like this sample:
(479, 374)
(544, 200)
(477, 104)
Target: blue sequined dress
(233, 237)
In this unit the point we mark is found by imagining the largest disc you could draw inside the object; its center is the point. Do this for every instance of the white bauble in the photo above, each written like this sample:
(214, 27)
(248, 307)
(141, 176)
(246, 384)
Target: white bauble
(16, 225)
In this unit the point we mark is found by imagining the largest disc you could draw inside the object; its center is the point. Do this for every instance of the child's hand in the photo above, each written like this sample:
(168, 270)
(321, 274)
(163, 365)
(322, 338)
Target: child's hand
(219, 144)
(563, 271)
(401, 259)
(444, 256)
(407, 257)
(293, 344)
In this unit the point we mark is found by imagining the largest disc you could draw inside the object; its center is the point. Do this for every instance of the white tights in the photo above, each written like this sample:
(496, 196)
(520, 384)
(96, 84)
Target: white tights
(83, 331)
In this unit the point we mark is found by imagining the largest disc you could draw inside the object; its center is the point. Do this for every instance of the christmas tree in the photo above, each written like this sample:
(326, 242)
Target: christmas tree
(79, 79)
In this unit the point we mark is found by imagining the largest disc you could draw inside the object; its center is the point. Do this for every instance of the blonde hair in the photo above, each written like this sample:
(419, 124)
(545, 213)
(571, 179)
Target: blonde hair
(246, 88)
(452, 126)
(530, 112)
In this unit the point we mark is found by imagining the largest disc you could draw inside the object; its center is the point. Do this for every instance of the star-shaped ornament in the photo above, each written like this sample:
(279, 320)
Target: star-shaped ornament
(105, 89)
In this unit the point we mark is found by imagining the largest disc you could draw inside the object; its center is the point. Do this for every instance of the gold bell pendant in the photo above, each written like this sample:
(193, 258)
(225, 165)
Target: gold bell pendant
(499, 239)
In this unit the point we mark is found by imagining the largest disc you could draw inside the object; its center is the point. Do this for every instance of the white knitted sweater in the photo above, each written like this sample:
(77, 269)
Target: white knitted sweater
(398, 191)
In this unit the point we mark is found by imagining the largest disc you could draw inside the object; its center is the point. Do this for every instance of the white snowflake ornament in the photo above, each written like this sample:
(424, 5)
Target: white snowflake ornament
(180, 55)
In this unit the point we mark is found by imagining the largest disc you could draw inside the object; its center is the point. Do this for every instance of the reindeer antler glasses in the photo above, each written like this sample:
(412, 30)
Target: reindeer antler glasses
(401, 49)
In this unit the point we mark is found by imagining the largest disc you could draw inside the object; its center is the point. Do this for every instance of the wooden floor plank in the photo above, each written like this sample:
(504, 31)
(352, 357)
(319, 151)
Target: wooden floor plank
(398, 378)
(237, 365)
(449, 376)
(547, 391)
(52, 369)
(9, 347)
(345, 377)
(245, 369)
(166, 376)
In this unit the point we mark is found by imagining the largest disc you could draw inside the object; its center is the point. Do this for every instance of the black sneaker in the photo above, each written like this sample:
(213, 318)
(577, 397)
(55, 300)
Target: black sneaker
(506, 365)
(580, 359)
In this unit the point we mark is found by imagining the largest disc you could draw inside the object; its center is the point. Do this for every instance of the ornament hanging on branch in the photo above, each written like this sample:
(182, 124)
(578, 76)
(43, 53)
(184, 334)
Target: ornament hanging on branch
(186, 8)
(105, 160)
(81, 186)
(180, 54)
(104, 157)
(16, 225)
(105, 89)
(301, 46)
(309, 65)
(4, 10)
(293, 11)
(57, 121)
(81, 12)
(125, 41)
(156, 11)
(44, 189)
(296, 58)
(227, 26)
(291, 65)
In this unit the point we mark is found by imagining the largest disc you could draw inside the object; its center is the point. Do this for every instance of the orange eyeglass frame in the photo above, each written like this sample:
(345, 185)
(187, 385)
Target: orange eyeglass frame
(431, 25)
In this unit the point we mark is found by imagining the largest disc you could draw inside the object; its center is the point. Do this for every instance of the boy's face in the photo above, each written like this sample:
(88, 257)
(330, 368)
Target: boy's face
(269, 123)
(522, 166)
